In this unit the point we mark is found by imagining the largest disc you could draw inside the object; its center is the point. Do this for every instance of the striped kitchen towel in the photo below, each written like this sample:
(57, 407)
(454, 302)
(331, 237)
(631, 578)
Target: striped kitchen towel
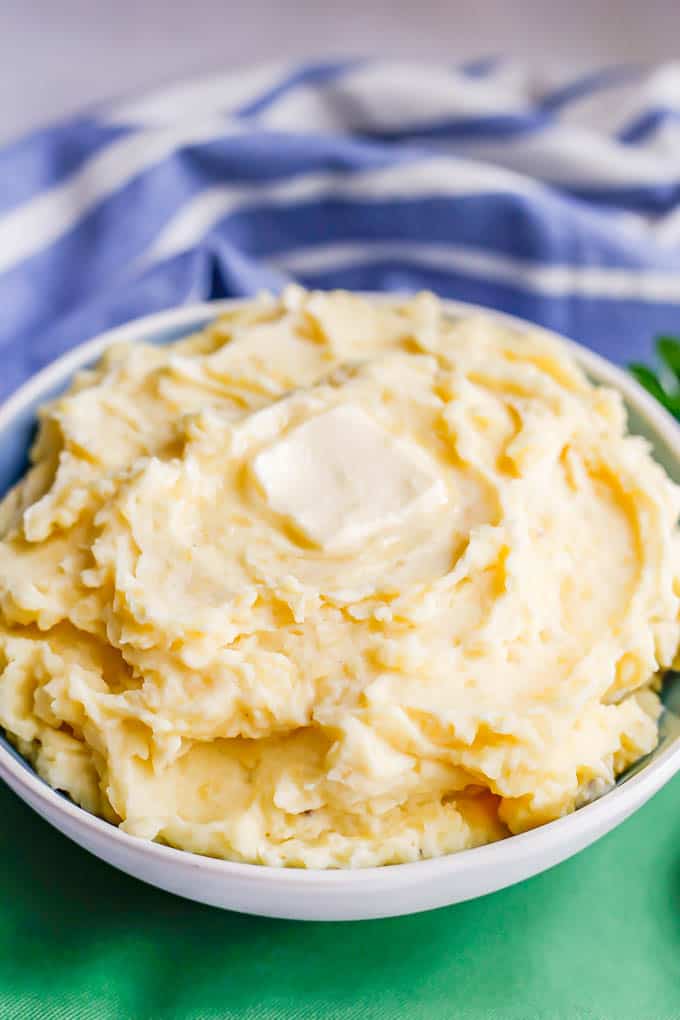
(482, 183)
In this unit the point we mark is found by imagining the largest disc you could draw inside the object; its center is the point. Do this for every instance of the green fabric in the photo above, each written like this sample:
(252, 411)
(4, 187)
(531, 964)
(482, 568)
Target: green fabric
(597, 938)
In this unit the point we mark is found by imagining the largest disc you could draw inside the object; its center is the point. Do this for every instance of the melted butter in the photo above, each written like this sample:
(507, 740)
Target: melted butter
(339, 479)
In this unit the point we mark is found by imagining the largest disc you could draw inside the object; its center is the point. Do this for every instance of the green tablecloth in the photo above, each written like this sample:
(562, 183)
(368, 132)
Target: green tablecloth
(597, 938)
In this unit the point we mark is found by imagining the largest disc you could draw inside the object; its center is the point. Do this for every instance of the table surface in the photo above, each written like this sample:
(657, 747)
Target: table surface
(59, 55)
(596, 938)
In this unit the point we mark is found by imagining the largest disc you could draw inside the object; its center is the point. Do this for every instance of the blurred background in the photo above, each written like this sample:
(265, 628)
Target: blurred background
(61, 55)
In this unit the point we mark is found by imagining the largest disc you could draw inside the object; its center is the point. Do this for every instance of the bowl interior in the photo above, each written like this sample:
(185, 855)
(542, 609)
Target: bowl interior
(17, 431)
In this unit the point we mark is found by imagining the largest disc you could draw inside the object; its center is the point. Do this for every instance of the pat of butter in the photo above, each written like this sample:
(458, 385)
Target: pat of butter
(339, 479)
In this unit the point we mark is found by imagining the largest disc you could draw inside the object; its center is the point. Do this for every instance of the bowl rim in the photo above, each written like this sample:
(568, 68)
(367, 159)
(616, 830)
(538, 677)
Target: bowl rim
(19, 774)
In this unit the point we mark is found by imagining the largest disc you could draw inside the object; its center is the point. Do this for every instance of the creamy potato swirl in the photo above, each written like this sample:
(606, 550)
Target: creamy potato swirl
(336, 582)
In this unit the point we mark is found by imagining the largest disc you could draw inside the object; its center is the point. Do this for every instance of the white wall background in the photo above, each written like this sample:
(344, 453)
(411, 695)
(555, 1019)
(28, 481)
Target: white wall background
(59, 55)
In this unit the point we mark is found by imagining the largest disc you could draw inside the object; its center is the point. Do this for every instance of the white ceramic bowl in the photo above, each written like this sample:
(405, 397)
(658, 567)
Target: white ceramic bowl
(334, 895)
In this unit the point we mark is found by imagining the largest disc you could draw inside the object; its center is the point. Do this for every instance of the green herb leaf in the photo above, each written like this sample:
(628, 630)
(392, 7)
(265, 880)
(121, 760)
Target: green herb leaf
(668, 349)
(646, 377)
(663, 383)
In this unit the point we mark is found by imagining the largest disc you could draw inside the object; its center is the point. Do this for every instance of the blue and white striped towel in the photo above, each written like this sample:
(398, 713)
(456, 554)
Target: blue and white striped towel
(562, 206)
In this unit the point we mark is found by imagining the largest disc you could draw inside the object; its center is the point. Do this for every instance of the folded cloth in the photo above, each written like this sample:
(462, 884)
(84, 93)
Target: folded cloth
(559, 204)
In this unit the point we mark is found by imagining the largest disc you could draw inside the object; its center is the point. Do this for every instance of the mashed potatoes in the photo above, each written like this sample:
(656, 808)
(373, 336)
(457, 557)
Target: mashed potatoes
(336, 583)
